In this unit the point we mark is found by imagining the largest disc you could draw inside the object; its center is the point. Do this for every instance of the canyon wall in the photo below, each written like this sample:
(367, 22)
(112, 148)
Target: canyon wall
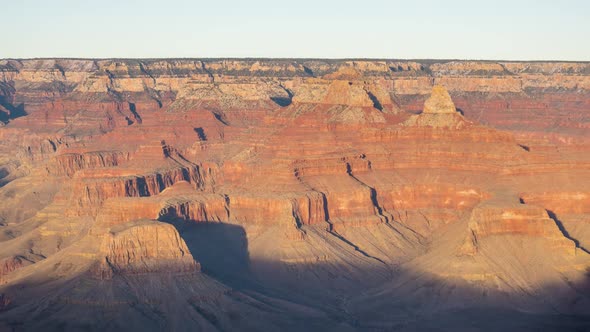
(310, 181)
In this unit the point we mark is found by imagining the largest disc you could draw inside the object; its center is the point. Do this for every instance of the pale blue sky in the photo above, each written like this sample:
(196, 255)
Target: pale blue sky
(418, 29)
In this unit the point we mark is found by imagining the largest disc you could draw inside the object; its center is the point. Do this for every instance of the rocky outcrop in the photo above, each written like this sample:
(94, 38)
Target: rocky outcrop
(439, 111)
(179, 202)
(69, 163)
(11, 264)
(92, 190)
(144, 247)
(560, 202)
(519, 220)
(439, 102)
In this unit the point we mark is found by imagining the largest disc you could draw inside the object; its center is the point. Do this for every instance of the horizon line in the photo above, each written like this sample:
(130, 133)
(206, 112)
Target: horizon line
(288, 59)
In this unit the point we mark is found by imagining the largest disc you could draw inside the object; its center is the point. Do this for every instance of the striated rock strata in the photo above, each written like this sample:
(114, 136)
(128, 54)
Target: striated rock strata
(312, 194)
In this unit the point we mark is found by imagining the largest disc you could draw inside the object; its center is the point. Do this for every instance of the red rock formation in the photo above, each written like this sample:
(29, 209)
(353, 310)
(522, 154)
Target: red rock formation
(317, 177)
(70, 163)
(11, 264)
(144, 247)
(523, 220)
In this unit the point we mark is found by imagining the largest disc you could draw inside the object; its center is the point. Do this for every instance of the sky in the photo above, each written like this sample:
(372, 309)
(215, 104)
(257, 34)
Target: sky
(412, 29)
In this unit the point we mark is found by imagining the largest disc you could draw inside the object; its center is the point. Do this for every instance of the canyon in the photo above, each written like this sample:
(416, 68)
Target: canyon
(294, 194)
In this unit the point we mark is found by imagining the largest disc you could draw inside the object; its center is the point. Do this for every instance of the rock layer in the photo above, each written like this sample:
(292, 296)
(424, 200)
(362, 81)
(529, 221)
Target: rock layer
(334, 193)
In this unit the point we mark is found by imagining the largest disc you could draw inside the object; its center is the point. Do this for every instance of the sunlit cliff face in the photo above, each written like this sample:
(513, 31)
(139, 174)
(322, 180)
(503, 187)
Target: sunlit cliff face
(293, 194)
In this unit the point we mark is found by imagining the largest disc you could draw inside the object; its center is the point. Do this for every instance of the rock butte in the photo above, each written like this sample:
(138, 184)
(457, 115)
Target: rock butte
(439, 101)
(294, 195)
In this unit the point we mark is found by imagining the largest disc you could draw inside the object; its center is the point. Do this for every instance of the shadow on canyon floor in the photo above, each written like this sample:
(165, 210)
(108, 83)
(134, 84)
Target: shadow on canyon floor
(315, 296)
(365, 298)
(220, 248)
(4, 173)
(282, 101)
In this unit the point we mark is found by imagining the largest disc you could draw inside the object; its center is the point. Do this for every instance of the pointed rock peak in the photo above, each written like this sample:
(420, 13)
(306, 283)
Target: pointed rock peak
(439, 102)
(439, 111)
(344, 73)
